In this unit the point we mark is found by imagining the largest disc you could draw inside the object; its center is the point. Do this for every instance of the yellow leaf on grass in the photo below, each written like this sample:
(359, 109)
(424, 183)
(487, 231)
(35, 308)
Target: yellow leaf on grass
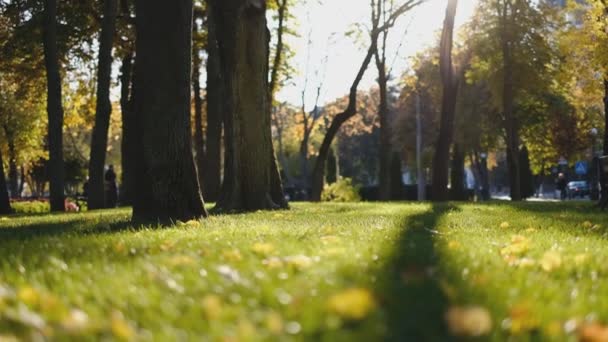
(120, 327)
(327, 239)
(581, 259)
(587, 224)
(212, 306)
(472, 321)
(593, 332)
(550, 261)
(299, 262)
(29, 295)
(519, 245)
(273, 263)
(274, 323)
(77, 321)
(181, 260)
(232, 255)
(522, 319)
(352, 304)
(262, 248)
(454, 245)
(504, 225)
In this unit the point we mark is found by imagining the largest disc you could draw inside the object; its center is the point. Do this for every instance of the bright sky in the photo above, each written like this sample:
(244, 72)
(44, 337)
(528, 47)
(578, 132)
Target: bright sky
(327, 21)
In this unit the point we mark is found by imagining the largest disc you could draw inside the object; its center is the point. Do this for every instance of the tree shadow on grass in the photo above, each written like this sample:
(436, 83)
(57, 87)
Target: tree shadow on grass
(411, 293)
(73, 227)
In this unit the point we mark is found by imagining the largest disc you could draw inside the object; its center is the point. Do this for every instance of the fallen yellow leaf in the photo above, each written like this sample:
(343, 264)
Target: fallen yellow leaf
(550, 261)
(352, 304)
(472, 321)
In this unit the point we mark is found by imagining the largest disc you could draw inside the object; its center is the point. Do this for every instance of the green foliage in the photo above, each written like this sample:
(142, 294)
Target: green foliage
(31, 207)
(342, 190)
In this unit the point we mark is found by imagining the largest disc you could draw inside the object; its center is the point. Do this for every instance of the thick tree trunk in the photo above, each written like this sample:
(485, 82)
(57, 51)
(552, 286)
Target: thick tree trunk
(448, 108)
(166, 186)
(212, 172)
(5, 204)
(396, 177)
(457, 175)
(605, 147)
(331, 175)
(250, 181)
(512, 132)
(199, 139)
(99, 139)
(54, 107)
(13, 174)
(127, 180)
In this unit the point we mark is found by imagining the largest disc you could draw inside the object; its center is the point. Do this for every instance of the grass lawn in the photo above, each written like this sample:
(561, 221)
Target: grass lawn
(339, 272)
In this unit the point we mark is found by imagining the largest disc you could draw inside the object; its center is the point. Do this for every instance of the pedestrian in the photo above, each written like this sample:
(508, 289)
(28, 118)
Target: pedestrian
(111, 187)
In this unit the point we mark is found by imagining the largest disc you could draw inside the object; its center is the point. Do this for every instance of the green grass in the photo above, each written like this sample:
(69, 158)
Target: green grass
(329, 272)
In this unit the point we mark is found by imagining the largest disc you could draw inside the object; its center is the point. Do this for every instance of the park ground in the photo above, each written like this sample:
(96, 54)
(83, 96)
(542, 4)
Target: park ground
(328, 272)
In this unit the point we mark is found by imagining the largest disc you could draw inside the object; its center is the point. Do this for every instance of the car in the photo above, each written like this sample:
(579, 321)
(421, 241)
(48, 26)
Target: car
(578, 189)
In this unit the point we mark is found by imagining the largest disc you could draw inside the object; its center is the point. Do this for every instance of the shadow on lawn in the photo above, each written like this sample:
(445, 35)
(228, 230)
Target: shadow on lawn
(77, 226)
(411, 293)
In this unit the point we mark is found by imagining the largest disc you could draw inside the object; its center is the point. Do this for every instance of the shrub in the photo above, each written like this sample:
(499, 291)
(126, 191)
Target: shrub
(341, 191)
(31, 207)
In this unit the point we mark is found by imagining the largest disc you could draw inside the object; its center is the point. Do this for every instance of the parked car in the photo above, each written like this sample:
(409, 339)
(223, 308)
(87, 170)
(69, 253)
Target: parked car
(578, 189)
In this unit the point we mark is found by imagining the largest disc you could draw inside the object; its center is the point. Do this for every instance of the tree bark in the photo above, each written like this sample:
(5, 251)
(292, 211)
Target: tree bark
(448, 108)
(13, 175)
(605, 148)
(250, 182)
(54, 107)
(99, 139)
(199, 139)
(457, 175)
(212, 172)
(166, 186)
(5, 204)
(512, 133)
(384, 191)
(128, 127)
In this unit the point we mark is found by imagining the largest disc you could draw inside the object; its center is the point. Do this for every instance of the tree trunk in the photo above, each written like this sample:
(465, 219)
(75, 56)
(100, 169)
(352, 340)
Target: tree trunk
(448, 108)
(54, 107)
(511, 129)
(13, 174)
(199, 140)
(457, 175)
(250, 181)
(22, 179)
(384, 191)
(5, 204)
(397, 190)
(212, 172)
(166, 186)
(351, 110)
(304, 152)
(605, 148)
(127, 180)
(336, 123)
(99, 139)
(332, 167)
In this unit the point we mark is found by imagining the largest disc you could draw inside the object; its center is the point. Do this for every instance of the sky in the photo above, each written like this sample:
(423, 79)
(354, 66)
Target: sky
(326, 23)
